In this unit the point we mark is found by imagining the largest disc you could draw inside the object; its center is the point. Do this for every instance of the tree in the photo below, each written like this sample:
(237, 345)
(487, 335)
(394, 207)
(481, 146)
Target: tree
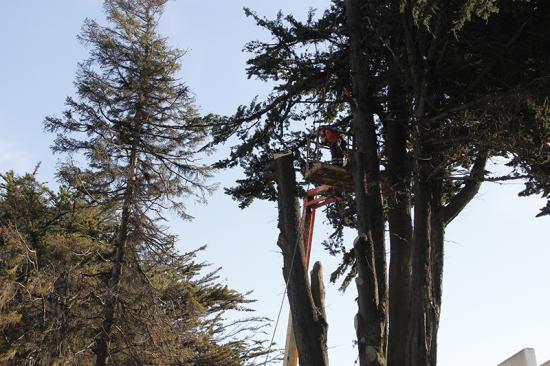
(430, 91)
(51, 247)
(52, 271)
(135, 124)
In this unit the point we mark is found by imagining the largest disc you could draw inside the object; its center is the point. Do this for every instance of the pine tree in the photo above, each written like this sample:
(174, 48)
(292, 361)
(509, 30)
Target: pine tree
(53, 247)
(135, 124)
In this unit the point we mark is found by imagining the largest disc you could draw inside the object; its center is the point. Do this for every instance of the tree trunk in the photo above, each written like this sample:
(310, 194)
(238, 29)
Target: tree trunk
(436, 261)
(308, 317)
(369, 247)
(102, 343)
(400, 224)
(425, 300)
(419, 338)
(416, 348)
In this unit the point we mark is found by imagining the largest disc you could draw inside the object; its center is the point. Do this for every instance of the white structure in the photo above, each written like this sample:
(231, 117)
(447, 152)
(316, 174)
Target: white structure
(525, 357)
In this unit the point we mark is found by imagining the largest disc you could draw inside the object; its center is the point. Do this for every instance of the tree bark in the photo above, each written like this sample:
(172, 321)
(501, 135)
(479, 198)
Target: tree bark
(416, 349)
(430, 220)
(436, 262)
(308, 317)
(427, 275)
(419, 338)
(400, 223)
(101, 348)
(369, 247)
(318, 288)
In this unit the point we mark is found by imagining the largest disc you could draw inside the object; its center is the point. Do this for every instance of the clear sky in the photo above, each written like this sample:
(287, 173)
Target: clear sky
(497, 275)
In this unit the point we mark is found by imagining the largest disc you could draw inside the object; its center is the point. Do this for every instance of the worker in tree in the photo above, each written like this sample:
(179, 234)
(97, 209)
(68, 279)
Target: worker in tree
(336, 141)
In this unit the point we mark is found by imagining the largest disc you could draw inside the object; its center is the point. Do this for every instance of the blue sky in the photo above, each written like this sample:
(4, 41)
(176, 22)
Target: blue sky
(497, 276)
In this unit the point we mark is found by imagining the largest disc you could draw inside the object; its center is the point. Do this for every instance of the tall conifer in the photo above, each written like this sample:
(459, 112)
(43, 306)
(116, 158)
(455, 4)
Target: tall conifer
(136, 125)
(53, 247)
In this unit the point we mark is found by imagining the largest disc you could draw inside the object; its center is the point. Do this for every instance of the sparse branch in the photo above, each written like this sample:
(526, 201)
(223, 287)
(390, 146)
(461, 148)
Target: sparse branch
(470, 189)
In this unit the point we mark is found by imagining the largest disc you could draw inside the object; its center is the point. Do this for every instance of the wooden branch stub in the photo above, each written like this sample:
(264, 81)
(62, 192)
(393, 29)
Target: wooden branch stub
(280, 155)
(271, 168)
(318, 288)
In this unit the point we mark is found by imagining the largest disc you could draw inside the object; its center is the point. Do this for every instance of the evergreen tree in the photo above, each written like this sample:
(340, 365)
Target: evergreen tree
(135, 124)
(52, 250)
(52, 285)
(429, 90)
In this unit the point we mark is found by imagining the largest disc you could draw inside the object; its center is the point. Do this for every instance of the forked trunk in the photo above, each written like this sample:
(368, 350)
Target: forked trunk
(424, 302)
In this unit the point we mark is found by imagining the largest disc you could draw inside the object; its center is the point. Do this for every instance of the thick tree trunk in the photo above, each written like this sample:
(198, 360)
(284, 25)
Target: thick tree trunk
(430, 220)
(423, 321)
(400, 224)
(424, 297)
(369, 247)
(416, 337)
(425, 300)
(101, 348)
(308, 317)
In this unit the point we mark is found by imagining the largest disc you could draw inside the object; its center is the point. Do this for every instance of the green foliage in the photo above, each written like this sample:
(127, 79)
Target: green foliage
(480, 8)
(422, 11)
(136, 125)
(49, 246)
(129, 298)
(461, 12)
(53, 274)
(473, 75)
(129, 100)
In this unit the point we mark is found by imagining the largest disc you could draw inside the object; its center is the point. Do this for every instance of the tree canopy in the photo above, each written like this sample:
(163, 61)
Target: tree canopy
(54, 275)
(134, 124)
(430, 91)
